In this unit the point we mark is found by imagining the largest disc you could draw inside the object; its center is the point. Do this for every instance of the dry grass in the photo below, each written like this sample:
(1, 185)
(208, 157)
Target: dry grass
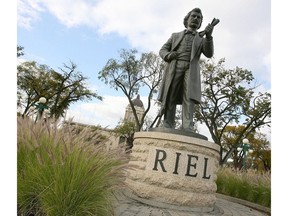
(60, 172)
(251, 186)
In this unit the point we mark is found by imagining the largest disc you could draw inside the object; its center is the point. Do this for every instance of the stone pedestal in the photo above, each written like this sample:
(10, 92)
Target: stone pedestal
(174, 170)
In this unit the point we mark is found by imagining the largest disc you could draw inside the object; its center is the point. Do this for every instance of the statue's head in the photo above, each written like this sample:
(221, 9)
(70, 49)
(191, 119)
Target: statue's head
(185, 21)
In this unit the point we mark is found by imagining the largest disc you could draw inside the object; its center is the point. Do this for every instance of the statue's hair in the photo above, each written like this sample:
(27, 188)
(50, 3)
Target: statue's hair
(185, 21)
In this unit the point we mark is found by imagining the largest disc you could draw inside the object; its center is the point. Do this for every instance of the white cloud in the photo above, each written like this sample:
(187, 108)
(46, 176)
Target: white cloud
(106, 113)
(109, 112)
(28, 12)
(242, 36)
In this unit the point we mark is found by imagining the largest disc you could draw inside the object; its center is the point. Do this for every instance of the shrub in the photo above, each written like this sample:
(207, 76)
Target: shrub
(61, 173)
(250, 186)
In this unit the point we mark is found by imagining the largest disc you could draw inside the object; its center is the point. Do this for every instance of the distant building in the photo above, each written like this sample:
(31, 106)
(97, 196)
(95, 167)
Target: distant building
(138, 104)
(98, 134)
(111, 139)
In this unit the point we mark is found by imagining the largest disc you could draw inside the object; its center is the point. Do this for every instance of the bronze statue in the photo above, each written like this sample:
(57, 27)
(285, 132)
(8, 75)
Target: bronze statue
(181, 81)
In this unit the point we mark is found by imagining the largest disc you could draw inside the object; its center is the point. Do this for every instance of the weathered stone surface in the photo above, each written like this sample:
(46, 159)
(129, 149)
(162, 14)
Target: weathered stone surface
(174, 169)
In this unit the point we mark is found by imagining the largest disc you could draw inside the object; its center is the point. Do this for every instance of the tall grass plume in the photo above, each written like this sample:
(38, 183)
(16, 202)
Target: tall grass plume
(60, 172)
(251, 185)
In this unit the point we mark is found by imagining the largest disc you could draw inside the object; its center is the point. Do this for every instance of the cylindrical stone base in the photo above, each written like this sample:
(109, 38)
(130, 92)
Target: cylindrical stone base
(174, 169)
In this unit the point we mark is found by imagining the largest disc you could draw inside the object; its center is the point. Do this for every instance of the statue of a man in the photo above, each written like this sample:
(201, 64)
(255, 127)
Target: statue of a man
(181, 81)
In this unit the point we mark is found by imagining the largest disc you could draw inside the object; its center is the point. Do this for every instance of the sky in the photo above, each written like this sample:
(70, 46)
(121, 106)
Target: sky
(89, 33)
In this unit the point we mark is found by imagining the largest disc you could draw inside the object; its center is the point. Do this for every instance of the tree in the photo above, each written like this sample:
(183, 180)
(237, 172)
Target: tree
(130, 73)
(60, 89)
(126, 131)
(260, 158)
(20, 51)
(262, 152)
(228, 98)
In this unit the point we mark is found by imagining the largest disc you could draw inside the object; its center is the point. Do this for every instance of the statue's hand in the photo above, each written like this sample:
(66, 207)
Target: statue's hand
(208, 31)
(172, 55)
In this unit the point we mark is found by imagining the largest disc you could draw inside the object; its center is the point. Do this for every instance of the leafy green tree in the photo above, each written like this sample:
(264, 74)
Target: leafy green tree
(228, 97)
(31, 85)
(126, 130)
(61, 89)
(131, 72)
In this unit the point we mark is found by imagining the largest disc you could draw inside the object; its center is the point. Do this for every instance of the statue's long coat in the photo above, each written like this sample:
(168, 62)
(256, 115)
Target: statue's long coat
(200, 45)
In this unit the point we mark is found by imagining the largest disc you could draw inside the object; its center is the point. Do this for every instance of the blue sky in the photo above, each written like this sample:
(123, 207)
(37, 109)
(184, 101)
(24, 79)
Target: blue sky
(90, 32)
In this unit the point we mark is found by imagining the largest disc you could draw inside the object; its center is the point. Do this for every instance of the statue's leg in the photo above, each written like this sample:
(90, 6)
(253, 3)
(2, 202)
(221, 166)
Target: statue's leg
(187, 115)
(187, 106)
(170, 110)
(173, 96)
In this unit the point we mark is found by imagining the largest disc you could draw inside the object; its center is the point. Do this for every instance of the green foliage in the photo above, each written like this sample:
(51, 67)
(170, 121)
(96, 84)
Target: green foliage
(229, 97)
(20, 51)
(258, 143)
(250, 186)
(126, 72)
(60, 173)
(61, 89)
(126, 129)
(131, 72)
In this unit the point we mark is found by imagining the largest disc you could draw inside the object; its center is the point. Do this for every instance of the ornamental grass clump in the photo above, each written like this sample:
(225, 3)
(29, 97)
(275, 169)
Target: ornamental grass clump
(251, 185)
(60, 172)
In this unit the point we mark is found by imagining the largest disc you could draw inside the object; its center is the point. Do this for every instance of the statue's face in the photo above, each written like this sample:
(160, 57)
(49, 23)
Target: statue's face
(194, 20)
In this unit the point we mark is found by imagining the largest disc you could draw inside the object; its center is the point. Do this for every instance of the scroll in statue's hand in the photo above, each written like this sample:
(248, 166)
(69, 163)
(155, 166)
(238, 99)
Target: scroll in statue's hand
(208, 30)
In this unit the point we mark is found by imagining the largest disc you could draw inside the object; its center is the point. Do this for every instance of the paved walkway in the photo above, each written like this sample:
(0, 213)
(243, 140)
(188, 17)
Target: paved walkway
(128, 206)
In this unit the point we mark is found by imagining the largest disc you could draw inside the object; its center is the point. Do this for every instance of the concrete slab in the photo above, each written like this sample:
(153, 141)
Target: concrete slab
(127, 206)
